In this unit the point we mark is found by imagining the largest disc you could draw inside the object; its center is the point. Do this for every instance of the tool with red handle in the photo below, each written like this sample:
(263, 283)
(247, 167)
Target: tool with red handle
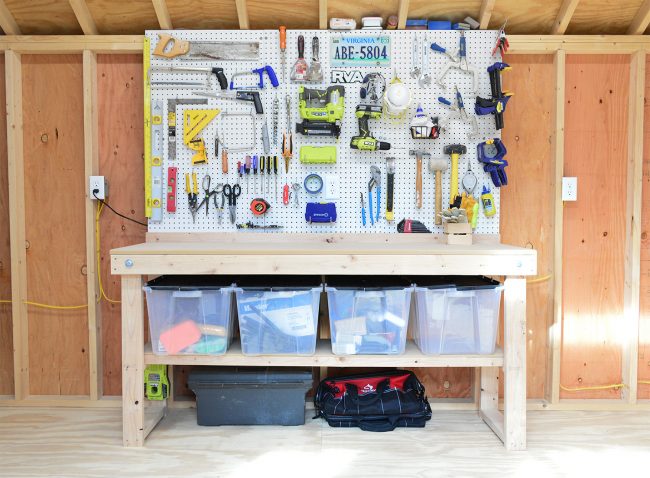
(171, 189)
(283, 47)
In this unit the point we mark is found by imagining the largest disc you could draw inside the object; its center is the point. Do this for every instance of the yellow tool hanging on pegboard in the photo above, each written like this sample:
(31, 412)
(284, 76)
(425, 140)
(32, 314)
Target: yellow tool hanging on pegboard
(194, 122)
(147, 127)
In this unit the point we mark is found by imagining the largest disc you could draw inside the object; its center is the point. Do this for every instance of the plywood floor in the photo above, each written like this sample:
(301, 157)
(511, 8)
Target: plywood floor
(87, 443)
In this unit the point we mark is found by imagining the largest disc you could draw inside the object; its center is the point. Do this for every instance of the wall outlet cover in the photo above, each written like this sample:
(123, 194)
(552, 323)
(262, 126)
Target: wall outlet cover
(569, 189)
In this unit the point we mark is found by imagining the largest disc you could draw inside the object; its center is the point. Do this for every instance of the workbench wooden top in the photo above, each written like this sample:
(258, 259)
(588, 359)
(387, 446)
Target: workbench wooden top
(285, 255)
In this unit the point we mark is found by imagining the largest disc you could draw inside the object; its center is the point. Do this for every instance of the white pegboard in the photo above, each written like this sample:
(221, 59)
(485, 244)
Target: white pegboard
(352, 167)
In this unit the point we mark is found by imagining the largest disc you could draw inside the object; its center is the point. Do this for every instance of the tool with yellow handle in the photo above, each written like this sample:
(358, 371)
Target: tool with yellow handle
(454, 151)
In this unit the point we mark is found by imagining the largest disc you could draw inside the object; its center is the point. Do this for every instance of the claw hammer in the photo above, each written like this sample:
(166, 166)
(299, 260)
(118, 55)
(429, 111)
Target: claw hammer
(418, 174)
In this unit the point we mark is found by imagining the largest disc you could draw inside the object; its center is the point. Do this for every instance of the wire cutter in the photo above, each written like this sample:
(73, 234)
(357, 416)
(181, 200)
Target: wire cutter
(502, 44)
(192, 190)
(375, 181)
(232, 193)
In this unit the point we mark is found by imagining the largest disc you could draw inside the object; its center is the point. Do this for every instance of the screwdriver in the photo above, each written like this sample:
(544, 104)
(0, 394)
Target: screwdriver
(262, 164)
(247, 170)
(268, 174)
(283, 47)
(239, 171)
(255, 173)
(275, 172)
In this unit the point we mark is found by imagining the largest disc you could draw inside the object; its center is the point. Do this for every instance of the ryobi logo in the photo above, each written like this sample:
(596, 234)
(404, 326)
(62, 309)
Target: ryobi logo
(340, 76)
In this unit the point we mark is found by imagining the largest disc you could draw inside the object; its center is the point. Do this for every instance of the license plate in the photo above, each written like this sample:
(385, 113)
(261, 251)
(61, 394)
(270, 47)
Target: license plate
(360, 51)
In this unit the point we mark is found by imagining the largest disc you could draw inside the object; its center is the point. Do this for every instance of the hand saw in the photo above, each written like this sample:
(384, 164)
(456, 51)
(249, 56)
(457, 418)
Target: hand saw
(170, 47)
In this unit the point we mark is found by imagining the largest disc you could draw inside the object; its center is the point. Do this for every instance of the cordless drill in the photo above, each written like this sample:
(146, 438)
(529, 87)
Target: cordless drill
(365, 141)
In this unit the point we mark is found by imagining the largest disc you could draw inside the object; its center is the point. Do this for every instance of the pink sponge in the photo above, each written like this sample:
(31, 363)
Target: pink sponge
(180, 336)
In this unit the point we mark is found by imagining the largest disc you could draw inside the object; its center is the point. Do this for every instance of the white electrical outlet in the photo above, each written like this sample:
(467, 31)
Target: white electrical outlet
(570, 189)
(97, 187)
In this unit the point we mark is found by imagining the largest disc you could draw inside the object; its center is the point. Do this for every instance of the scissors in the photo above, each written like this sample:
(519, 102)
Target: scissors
(232, 193)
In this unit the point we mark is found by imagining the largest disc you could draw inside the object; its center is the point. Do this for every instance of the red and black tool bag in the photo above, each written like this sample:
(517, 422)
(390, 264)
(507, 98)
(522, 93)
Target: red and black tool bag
(376, 402)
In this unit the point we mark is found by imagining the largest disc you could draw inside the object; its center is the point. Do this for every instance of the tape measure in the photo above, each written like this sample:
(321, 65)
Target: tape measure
(259, 206)
(313, 183)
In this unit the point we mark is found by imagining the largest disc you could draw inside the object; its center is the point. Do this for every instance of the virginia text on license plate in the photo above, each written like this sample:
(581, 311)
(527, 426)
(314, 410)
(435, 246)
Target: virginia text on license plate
(360, 51)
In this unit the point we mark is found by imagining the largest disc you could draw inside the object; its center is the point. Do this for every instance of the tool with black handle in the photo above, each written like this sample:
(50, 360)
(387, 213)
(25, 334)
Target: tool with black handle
(390, 185)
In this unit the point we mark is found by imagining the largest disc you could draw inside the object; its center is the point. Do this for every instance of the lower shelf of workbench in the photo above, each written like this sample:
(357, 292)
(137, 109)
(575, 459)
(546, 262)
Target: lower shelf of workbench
(323, 357)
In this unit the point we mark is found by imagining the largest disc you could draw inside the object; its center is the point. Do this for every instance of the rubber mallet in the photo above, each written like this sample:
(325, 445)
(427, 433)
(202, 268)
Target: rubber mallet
(454, 151)
(438, 166)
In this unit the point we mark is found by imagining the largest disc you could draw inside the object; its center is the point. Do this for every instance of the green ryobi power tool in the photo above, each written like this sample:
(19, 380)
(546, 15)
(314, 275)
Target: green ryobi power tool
(365, 141)
(321, 111)
(156, 384)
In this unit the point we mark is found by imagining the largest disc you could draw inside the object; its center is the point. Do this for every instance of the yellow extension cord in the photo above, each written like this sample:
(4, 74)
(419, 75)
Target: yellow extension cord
(102, 294)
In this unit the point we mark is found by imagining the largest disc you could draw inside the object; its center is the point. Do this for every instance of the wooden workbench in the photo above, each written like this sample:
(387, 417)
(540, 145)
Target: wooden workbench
(416, 254)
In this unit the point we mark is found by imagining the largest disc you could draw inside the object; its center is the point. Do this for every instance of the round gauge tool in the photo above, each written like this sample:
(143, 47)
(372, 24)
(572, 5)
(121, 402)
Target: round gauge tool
(489, 150)
(313, 183)
(259, 206)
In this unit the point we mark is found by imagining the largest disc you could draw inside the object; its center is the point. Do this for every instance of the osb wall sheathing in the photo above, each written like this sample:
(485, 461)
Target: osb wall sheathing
(121, 149)
(595, 151)
(55, 223)
(596, 111)
(527, 209)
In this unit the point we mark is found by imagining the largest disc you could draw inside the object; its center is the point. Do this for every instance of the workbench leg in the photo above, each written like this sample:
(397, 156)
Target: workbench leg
(133, 432)
(489, 400)
(514, 369)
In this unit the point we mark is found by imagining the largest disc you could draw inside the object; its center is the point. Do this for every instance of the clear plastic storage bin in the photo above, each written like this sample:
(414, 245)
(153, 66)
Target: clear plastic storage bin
(368, 315)
(190, 315)
(278, 315)
(460, 317)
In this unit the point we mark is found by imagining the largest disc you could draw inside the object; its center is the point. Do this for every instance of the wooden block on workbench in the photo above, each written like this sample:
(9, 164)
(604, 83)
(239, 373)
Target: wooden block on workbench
(458, 233)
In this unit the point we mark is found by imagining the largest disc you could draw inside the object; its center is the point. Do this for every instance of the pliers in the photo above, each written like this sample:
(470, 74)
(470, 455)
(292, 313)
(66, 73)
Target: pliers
(461, 65)
(192, 190)
(375, 180)
(502, 43)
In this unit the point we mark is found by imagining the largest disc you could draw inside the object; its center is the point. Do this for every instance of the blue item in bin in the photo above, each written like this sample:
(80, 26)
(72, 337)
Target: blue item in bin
(278, 321)
(416, 22)
(370, 321)
(439, 25)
